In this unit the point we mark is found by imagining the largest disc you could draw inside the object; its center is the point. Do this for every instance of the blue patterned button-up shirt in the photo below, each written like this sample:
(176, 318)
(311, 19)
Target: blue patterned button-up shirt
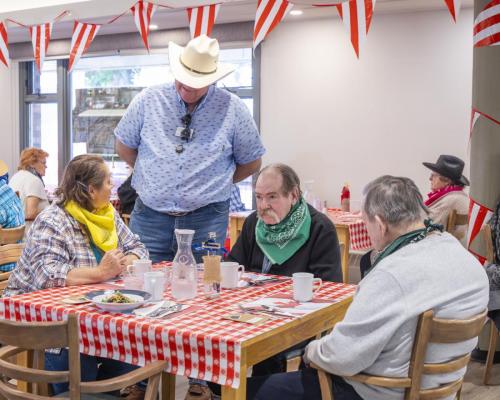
(11, 214)
(225, 134)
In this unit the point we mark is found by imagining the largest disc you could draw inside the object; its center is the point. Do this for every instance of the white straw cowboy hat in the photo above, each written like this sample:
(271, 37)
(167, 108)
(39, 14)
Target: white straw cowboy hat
(197, 65)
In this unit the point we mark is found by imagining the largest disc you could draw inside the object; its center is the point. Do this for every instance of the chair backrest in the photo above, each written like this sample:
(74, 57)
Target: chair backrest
(443, 331)
(455, 219)
(344, 244)
(11, 235)
(488, 240)
(126, 218)
(36, 337)
(10, 253)
(431, 330)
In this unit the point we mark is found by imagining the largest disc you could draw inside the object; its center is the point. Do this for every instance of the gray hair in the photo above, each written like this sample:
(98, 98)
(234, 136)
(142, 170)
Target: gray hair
(396, 200)
(290, 178)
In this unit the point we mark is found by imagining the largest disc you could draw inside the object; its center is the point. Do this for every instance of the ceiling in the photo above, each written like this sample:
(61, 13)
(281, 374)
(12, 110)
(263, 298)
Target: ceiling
(100, 11)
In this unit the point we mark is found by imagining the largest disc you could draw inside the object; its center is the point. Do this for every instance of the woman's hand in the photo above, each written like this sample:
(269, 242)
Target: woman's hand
(128, 260)
(112, 264)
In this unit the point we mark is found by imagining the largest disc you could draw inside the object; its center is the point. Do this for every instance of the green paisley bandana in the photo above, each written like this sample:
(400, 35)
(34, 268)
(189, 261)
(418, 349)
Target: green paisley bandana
(281, 241)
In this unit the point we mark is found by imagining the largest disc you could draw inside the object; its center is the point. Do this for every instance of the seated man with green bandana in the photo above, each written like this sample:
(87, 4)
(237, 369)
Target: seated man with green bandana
(286, 235)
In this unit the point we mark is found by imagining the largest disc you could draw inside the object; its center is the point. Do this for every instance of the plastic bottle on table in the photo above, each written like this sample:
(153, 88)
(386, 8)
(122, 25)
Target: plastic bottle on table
(345, 198)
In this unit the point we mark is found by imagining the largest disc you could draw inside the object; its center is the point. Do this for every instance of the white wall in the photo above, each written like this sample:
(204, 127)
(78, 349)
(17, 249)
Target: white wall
(336, 119)
(9, 115)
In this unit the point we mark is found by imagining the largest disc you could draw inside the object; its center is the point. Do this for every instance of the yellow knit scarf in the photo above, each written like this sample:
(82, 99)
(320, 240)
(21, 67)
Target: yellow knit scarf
(100, 224)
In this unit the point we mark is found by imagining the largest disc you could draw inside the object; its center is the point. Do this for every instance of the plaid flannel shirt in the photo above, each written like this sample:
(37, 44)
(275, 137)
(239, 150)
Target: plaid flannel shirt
(56, 244)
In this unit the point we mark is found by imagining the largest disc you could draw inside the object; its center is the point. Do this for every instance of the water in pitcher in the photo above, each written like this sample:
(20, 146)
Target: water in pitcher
(184, 272)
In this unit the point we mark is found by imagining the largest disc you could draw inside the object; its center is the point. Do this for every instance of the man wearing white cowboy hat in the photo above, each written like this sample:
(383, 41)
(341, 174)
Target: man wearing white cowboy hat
(188, 141)
(11, 208)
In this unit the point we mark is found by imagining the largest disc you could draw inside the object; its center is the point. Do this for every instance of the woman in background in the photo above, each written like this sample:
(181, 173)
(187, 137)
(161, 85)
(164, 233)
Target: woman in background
(28, 183)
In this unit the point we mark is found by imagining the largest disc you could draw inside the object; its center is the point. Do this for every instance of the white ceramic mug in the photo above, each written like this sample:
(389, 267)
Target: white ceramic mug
(231, 273)
(303, 286)
(139, 267)
(154, 283)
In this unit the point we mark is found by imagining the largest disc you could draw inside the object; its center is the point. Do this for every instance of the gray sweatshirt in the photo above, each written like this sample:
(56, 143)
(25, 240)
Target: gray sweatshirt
(376, 335)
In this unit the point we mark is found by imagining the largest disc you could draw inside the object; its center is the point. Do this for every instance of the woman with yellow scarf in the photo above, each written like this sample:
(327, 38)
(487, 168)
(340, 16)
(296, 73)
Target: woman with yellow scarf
(80, 239)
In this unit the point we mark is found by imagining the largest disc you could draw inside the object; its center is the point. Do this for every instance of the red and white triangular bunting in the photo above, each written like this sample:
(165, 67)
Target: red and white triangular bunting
(202, 19)
(475, 114)
(143, 12)
(269, 15)
(83, 34)
(4, 45)
(40, 38)
(357, 16)
(483, 260)
(454, 7)
(487, 25)
(479, 215)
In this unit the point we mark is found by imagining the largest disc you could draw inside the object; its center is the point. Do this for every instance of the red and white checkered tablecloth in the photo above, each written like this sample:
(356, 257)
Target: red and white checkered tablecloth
(197, 343)
(357, 228)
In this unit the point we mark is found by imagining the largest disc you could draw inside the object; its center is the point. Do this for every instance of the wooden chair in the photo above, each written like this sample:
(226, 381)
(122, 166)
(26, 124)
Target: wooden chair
(344, 243)
(455, 219)
(126, 218)
(36, 337)
(429, 330)
(11, 235)
(486, 230)
(9, 253)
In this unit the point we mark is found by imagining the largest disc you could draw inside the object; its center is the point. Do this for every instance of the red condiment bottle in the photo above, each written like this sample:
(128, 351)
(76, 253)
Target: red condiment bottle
(345, 198)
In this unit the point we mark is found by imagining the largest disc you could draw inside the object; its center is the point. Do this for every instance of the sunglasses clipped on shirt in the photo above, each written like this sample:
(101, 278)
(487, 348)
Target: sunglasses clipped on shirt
(186, 133)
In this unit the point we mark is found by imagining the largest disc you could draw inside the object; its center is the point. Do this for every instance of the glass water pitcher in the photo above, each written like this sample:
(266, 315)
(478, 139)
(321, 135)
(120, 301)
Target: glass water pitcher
(184, 273)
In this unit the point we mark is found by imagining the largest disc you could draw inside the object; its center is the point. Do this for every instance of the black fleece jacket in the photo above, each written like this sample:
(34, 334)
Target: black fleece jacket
(320, 255)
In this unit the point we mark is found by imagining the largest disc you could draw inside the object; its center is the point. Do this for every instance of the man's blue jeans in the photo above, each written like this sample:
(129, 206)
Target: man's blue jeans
(156, 229)
(92, 368)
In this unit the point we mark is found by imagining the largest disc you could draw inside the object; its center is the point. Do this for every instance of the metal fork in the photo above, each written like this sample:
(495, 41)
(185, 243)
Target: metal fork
(164, 309)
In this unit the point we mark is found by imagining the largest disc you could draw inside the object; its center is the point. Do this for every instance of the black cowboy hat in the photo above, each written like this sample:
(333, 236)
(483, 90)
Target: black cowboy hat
(451, 167)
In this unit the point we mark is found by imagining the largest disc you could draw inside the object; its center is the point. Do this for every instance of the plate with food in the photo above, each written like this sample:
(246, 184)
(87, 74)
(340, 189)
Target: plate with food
(118, 300)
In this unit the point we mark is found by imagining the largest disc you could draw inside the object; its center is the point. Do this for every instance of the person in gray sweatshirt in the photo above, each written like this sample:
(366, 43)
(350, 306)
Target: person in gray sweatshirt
(418, 268)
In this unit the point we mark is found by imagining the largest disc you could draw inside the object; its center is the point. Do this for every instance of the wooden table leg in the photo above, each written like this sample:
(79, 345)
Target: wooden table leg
(167, 386)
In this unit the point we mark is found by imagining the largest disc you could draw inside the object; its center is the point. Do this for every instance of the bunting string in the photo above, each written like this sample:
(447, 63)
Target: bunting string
(355, 14)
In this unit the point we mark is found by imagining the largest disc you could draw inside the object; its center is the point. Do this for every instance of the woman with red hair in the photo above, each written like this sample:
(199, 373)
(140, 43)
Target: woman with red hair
(28, 182)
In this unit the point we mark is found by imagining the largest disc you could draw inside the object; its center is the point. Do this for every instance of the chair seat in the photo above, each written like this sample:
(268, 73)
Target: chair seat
(90, 396)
